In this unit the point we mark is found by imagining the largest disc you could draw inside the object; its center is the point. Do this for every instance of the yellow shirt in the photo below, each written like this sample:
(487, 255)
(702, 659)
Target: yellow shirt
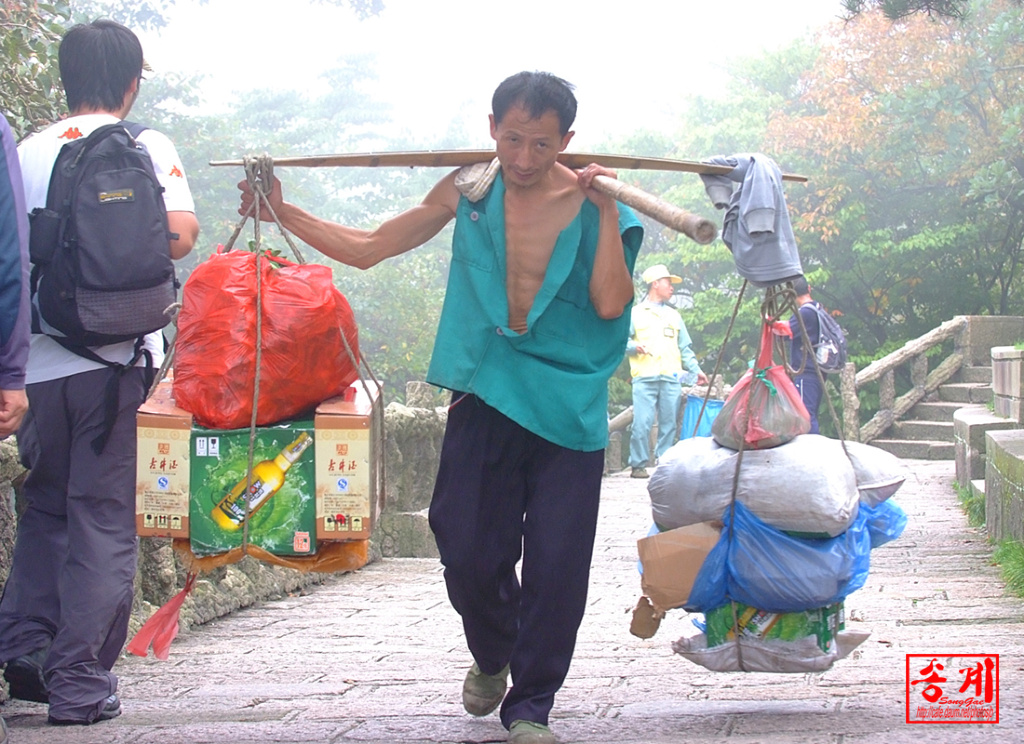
(660, 330)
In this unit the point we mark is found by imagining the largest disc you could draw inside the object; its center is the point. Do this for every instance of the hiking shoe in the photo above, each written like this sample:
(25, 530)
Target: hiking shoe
(482, 693)
(528, 732)
(111, 709)
(24, 676)
(639, 473)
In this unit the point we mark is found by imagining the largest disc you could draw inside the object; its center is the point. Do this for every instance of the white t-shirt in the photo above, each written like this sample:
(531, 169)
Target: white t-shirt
(48, 360)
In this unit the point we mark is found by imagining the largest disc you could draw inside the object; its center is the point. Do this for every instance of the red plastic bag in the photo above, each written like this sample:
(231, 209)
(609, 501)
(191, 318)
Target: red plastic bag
(764, 409)
(304, 359)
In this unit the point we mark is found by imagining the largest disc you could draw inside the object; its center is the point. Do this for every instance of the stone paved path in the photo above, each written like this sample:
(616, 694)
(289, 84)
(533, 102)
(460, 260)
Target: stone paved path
(377, 656)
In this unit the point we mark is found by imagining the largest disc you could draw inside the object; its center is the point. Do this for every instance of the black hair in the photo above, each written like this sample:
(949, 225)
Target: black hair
(800, 286)
(538, 93)
(98, 63)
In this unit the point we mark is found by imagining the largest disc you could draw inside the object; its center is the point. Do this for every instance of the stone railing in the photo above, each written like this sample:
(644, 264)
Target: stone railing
(883, 371)
(973, 338)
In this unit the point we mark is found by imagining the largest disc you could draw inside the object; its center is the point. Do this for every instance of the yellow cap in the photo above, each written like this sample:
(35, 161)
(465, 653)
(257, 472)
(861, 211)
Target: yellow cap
(659, 271)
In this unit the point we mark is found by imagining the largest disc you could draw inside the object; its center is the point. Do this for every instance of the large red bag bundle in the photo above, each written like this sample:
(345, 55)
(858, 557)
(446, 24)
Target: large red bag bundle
(304, 358)
(764, 409)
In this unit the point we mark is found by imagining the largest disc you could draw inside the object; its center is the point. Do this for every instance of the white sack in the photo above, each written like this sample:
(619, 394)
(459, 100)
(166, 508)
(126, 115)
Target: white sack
(772, 655)
(879, 473)
(806, 485)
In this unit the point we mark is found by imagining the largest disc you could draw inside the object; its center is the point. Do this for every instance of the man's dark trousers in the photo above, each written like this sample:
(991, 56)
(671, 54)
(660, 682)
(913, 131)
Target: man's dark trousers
(810, 391)
(74, 561)
(503, 492)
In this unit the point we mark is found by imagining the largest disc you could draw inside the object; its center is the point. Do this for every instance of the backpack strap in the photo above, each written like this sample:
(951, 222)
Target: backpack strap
(111, 396)
(135, 129)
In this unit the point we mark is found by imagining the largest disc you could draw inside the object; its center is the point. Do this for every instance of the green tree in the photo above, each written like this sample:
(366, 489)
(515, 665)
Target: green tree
(912, 134)
(900, 9)
(735, 122)
(30, 32)
(30, 94)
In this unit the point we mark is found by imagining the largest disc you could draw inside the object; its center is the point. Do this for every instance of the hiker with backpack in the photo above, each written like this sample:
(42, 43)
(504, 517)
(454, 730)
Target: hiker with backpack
(824, 337)
(110, 207)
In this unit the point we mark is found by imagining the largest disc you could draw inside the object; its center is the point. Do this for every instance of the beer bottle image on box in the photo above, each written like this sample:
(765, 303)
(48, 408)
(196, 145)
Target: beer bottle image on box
(267, 479)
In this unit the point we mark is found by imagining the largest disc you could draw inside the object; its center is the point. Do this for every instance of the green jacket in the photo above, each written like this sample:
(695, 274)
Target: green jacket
(552, 379)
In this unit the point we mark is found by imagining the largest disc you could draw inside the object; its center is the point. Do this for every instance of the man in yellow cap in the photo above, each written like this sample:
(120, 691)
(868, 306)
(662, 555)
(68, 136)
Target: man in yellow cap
(658, 350)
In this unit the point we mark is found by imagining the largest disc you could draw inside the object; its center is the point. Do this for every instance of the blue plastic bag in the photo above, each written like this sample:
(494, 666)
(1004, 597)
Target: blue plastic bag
(763, 567)
(692, 410)
(885, 522)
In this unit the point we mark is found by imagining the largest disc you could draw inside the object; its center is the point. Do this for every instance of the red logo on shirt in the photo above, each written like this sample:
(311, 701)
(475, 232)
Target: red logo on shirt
(71, 133)
(176, 171)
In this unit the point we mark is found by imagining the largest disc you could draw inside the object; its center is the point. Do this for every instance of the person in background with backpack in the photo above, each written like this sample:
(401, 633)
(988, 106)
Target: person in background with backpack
(806, 379)
(65, 608)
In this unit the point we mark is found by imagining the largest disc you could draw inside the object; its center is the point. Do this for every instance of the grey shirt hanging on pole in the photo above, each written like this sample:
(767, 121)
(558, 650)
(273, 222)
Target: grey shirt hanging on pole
(756, 227)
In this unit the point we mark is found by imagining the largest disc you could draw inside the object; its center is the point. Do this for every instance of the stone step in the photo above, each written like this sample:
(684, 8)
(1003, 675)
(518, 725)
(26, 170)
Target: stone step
(922, 430)
(934, 410)
(976, 374)
(978, 487)
(965, 392)
(917, 450)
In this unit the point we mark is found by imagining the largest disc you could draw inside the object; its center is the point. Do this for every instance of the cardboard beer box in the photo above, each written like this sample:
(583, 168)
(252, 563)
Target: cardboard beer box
(162, 468)
(349, 463)
(274, 508)
(823, 623)
(671, 561)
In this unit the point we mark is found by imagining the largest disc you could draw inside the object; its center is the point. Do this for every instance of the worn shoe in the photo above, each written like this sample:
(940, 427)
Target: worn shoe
(482, 693)
(24, 676)
(528, 732)
(111, 709)
(639, 473)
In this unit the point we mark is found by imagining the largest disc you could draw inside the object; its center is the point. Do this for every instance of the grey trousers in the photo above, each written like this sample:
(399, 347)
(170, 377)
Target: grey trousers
(71, 583)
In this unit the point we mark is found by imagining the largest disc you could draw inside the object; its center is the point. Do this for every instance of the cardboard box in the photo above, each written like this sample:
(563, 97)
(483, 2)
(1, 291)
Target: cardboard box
(162, 467)
(348, 464)
(671, 561)
(282, 512)
(823, 623)
(339, 498)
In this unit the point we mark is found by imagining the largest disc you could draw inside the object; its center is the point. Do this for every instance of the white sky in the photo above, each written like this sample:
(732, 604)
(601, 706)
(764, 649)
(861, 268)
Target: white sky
(632, 62)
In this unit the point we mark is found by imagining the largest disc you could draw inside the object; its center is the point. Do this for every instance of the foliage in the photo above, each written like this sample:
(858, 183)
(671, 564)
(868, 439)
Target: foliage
(900, 9)
(30, 94)
(30, 31)
(1010, 556)
(736, 121)
(396, 303)
(915, 212)
(973, 504)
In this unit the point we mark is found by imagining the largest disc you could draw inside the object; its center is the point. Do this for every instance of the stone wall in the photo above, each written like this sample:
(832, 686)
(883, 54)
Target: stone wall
(413, 450)
(970, 426)
(1004, 485)
(984, 332)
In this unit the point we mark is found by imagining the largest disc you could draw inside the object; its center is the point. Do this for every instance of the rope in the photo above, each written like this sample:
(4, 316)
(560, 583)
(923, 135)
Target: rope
(789, 303)
(259, 173)
(779, 301)
(172, 312)
(718, 362)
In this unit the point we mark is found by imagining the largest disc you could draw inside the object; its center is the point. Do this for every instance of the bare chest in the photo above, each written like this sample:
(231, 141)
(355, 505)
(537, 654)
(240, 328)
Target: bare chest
(530, 238)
